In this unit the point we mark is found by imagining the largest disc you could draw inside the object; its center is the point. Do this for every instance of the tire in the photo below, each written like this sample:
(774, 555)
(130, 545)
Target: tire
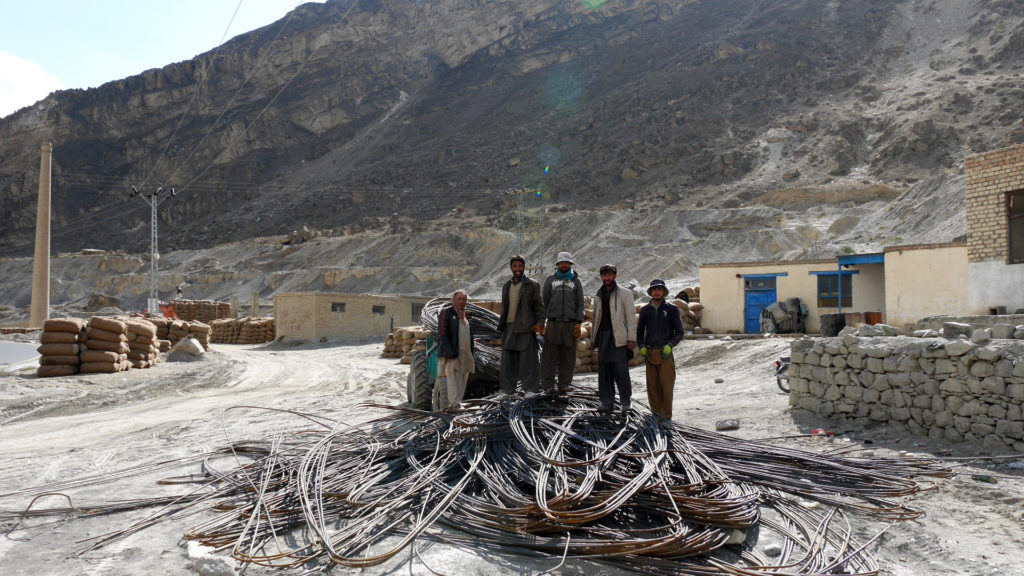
(440, 396)
(420, 387)
(782, 378)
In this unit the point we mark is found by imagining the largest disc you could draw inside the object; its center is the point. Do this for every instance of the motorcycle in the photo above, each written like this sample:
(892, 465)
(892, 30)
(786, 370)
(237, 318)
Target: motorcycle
(782, 373)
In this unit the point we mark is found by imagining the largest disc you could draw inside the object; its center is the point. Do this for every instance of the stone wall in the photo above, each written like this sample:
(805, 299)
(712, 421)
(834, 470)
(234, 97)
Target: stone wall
(950, 390)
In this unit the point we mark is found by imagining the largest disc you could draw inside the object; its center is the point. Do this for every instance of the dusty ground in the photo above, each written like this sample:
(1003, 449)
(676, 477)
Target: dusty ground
(65, 428)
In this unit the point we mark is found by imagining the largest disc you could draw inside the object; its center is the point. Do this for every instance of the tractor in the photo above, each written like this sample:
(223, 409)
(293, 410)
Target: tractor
(428, 390)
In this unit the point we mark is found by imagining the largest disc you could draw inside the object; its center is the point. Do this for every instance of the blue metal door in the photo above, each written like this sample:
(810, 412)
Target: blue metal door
(756, 301)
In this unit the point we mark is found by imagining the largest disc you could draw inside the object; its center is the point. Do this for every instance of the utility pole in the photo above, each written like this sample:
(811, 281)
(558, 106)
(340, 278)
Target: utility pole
(40, 309)
(153, 199)
(520, 201)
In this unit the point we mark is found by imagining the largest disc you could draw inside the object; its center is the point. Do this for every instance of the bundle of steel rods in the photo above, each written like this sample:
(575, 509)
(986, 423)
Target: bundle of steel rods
(483, 325)
(548, 476)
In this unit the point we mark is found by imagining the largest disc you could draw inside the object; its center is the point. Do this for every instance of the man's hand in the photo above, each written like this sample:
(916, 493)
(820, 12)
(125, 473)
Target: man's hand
(538, 330)
(576, 332)
(643, 350)
(631, 345)
(666, 351)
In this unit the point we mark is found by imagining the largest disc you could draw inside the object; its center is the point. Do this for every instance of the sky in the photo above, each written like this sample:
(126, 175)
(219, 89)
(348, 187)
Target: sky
(48, 45)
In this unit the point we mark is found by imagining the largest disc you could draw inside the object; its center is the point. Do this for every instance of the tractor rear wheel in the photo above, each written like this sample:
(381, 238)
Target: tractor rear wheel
(420, 387)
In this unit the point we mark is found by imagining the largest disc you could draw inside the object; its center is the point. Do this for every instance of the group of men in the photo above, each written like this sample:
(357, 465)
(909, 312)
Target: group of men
(555, 312)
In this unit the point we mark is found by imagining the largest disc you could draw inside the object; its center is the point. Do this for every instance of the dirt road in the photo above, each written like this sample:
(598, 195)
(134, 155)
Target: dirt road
(65, 428)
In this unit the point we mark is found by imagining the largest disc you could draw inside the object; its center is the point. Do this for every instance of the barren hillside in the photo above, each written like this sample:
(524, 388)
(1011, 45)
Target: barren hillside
(655, 134)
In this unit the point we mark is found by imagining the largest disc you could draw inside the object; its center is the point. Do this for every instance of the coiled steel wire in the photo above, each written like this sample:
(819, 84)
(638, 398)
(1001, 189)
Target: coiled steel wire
(547, 476)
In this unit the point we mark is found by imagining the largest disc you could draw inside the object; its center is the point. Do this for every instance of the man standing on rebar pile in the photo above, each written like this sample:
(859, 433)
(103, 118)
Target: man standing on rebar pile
(563, 308)
(521, 312)
(455, 347)
(658, 332)
(614, 339)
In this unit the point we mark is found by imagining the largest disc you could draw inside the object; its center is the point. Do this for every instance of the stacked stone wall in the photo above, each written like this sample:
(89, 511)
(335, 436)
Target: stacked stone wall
(949, 390)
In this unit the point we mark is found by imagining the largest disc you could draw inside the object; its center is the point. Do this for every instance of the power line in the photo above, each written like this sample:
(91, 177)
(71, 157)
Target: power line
(234, 97)
(192, 100)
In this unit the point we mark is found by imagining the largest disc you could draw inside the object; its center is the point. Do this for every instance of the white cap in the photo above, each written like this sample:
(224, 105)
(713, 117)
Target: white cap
(564, 257)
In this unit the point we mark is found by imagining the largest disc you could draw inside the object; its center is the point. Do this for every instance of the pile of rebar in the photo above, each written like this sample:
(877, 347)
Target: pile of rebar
(548, 477)
(483, 325)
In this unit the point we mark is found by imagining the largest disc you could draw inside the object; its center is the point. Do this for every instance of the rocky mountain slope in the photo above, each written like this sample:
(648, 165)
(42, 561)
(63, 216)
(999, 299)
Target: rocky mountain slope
(659, 133)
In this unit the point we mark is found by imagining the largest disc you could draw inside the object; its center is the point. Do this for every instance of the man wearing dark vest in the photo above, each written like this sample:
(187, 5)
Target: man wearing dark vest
(522, 312)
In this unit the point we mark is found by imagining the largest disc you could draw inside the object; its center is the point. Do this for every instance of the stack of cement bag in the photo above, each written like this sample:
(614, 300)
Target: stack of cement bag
(177, 330)
(106, 346)
(226, 330)
(402, 342)
(202, 310)
(256, 331)
(586, 359)
(143, 345)
(690, 314)
(60, 344)
(163, 326)
(200, 332)
(242, 330)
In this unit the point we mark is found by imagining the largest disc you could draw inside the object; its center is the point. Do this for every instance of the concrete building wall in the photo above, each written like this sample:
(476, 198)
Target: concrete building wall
(315, 315)
(723, 293)
(994, 284)
(922, 281)
(868, 289)
(992, 280)
(295, 315)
